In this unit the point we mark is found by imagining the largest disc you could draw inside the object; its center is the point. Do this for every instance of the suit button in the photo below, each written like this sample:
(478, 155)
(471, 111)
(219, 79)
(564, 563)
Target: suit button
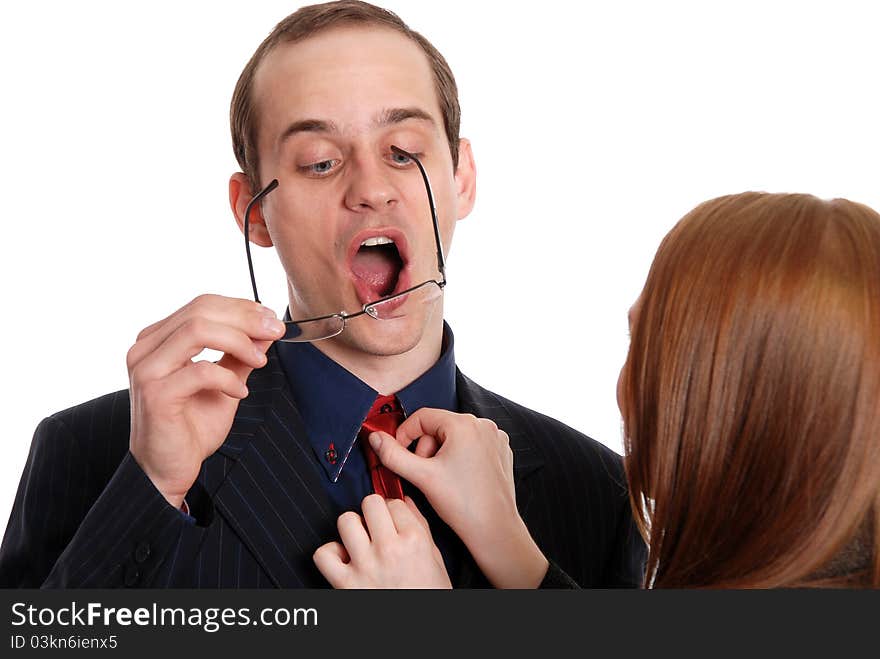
(132, 574)
(142, 552)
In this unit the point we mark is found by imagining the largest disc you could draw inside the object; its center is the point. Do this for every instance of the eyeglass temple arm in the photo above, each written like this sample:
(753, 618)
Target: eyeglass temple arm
(247, 242)
(441, 260)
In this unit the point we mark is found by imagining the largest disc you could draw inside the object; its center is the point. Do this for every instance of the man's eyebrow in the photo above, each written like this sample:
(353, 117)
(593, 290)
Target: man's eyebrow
(307, 126)
(397, 115)
(386, 118)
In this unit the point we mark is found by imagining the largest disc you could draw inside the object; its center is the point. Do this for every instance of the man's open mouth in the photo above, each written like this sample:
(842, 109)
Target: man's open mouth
(378, 264)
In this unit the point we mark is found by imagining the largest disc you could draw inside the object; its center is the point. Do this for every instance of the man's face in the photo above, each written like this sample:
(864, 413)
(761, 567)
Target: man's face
(330, 107)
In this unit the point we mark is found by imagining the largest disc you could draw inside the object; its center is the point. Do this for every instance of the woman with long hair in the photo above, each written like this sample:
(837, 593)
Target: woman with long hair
(751, 396)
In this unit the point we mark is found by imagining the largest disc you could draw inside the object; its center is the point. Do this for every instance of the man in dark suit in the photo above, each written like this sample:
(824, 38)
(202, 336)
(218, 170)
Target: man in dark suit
(232, 474)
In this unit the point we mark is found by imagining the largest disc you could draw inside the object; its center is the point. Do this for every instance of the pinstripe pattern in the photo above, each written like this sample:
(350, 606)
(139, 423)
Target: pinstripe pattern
(571, 492)
(86, 515)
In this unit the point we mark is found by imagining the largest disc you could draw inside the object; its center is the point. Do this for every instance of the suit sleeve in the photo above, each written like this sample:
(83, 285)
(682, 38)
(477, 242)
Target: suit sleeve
(627, 564)
(626, 567)
(557, 578)
(71, 527)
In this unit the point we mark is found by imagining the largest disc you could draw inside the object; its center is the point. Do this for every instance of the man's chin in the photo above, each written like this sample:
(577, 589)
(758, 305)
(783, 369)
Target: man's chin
(386, 338)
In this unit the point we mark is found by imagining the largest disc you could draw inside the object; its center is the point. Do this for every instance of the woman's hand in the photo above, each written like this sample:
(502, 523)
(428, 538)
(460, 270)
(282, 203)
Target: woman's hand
(464, 466)
(390, 547)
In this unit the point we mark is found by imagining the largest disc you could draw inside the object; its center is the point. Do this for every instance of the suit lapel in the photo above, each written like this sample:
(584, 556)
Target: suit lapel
(270, 490)
(473, 399)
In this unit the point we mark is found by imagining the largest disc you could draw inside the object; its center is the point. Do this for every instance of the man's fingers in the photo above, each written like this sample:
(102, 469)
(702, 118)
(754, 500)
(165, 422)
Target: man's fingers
(189, 340)
(250, 318)
(238, 367)
(332, 561)
(398, 459)
(213, 307)
(201, 376)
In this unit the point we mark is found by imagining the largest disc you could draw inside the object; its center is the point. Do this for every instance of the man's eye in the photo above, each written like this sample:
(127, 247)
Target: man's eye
(319, 168)
(401, 159)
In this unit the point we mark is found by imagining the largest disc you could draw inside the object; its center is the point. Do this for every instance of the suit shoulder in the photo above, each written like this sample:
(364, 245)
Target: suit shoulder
(101, 410)
(98, 428)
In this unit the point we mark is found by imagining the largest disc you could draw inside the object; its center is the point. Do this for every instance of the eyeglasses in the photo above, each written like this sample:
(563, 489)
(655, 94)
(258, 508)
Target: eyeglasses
(386, 308)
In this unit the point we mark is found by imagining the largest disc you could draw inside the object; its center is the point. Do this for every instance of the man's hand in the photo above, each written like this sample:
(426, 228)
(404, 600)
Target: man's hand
(181, 411)
(395, 550)
(464, 466)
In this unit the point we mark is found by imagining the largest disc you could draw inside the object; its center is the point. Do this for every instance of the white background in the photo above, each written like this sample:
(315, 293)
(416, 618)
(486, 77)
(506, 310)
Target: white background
(595, 126)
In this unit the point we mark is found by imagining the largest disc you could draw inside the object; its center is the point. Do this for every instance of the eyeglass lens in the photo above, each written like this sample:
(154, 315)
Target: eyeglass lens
(390, 308)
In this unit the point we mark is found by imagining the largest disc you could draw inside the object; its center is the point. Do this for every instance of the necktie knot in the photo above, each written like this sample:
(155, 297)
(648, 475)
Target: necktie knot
(385, 415)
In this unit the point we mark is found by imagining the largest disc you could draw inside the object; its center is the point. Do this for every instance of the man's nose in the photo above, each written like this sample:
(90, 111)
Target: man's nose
(371, 187)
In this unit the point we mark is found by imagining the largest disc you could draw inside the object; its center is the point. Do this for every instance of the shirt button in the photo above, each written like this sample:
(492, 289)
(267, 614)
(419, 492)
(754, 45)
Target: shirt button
(142, 552)
(385, 409)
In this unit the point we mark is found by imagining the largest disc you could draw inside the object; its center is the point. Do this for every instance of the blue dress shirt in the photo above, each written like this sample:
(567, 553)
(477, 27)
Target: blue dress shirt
(334, 403)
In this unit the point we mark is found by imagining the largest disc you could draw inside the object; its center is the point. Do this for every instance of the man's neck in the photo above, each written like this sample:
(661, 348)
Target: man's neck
(388, 374)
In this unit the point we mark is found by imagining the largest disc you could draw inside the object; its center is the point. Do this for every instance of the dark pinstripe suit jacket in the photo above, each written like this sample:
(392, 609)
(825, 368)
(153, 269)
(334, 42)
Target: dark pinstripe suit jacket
(86, 515)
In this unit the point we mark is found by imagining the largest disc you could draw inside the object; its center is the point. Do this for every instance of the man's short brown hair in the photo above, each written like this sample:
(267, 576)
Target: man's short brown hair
(306, 22)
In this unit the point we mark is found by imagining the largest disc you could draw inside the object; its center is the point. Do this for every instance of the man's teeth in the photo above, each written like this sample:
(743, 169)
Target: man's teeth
(377, 240)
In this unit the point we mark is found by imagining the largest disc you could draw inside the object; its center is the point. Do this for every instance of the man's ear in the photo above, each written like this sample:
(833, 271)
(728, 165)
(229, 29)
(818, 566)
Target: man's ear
(465, 179)
(239, 197)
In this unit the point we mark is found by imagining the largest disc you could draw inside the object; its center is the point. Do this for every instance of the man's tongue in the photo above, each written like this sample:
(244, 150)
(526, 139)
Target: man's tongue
(379, 268)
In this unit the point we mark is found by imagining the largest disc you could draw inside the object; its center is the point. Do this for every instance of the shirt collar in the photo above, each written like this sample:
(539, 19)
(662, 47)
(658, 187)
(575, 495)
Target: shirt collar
(333, 402)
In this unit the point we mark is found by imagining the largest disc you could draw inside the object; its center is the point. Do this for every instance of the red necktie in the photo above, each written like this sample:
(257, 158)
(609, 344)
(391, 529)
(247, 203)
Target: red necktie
(385, 415)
